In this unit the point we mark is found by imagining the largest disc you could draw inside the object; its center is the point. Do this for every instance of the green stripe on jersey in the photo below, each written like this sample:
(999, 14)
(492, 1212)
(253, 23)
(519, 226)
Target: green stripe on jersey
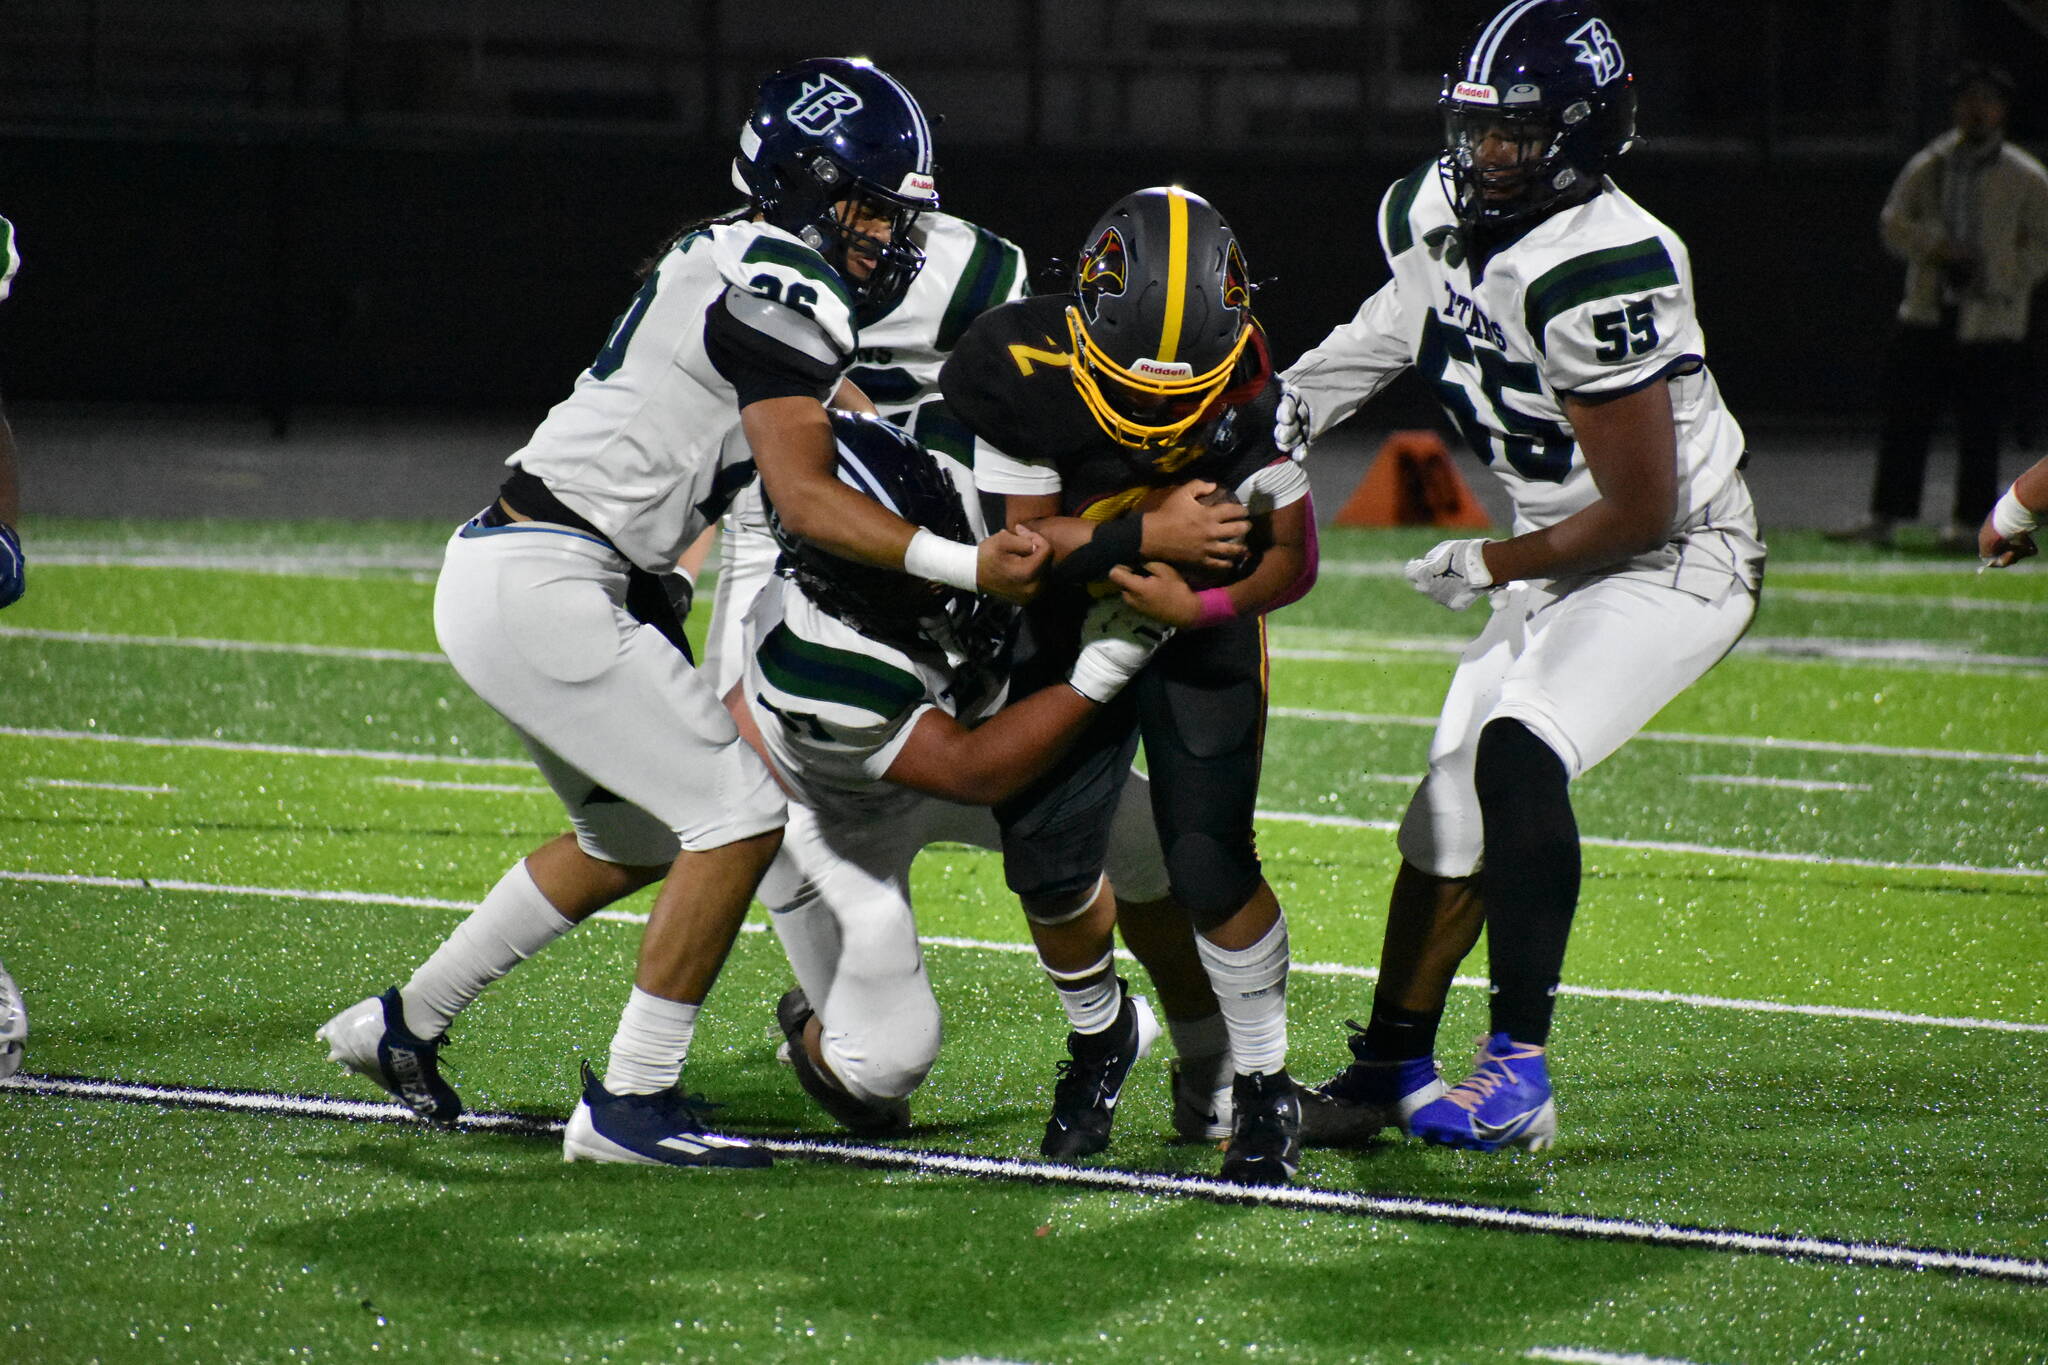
(803, 261)
(802, 668)
(1633, 269)
(991, 270)
(1400, 233)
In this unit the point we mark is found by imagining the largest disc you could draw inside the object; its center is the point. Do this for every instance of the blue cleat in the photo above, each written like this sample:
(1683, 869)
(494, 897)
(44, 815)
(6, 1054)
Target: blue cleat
(370, 1038)
(666, 1128)
(1505, 1102)
(1369, 1095)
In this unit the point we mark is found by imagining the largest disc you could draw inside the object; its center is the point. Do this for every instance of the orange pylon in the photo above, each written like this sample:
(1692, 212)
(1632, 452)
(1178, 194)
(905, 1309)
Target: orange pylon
(1412, 482)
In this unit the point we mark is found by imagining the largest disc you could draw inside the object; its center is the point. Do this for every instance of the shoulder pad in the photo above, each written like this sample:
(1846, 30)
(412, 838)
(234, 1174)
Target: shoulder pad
(775, 265)
(991, 273)
(1634, 268)
(1397, 208)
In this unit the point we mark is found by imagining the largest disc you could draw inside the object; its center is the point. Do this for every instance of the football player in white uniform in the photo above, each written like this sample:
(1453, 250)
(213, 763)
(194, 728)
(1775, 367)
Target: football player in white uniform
(13, 582)
(723, 360)
(883, 714)
(1554, 317)
(967, 270)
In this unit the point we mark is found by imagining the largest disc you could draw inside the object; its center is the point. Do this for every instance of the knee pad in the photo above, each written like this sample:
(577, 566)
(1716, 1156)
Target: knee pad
(1211, 878)
(1524, 789)
(880, 1066)
(1059, 909)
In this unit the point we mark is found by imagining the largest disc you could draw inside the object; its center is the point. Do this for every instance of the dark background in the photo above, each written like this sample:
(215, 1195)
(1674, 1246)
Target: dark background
(443, 204)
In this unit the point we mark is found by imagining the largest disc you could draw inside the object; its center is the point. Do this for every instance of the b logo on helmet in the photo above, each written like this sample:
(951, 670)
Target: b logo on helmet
(1598, 51)
(1105, 270)
(821, 105)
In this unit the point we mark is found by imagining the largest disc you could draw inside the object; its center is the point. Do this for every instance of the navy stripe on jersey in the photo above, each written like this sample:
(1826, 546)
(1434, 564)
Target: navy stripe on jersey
(936, 428)
(991, 270)
(891, 386)
(803, 668)
(1398, 230)
(1633, 269)
(803, 261)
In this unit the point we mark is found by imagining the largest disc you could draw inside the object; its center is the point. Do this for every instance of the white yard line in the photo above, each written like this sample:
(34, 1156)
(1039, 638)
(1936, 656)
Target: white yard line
(1291, 817)
(1818, 746)
(244, 747)
(517, 788)
(1705, 850)
(90, 637)
(1839, 597)
(96, 786)
(1305, 1198)
(1580, 1355)
(1355, 648)
(1371, 649)
(1785, 783)
(1333, 969)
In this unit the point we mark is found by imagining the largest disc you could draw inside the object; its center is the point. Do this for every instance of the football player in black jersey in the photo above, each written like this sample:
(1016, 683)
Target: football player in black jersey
(1133, 420)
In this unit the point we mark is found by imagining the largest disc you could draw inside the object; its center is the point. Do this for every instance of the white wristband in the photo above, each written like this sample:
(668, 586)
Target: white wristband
(2011, 517)
(930, 555)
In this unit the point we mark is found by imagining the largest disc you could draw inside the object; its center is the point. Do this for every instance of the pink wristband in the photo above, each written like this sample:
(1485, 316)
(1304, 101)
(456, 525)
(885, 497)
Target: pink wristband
(1216, 608)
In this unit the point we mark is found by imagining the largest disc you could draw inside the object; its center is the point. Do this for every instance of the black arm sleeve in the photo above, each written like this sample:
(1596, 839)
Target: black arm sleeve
(766, 349)
(1114, 542)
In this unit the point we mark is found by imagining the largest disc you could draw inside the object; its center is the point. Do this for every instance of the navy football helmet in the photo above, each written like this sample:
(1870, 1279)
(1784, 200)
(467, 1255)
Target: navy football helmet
(885, 463)
(1161, 324)
(1540, 103)
(835, 129)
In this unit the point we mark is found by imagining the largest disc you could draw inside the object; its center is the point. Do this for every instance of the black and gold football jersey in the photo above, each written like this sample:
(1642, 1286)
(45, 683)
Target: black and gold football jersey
(1010, 381)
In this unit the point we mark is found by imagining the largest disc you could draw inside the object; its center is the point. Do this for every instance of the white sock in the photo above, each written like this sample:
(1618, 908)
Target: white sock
(649, 1048)
(1091, 996)
(1251, 987)
(514, 922)
(1208, 1036)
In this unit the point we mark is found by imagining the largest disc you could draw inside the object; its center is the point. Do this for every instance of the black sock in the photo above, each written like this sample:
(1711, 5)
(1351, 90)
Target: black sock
(1393, 1034)
(1530, 880)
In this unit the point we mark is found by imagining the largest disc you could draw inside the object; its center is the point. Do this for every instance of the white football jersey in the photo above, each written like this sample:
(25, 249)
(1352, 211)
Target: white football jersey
(967, 271)
(647, 446)
(1594, 300)
(12, 260)
(835, 707)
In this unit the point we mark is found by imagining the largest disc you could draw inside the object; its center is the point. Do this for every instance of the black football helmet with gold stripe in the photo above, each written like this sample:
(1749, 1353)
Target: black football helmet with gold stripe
(1161, 323)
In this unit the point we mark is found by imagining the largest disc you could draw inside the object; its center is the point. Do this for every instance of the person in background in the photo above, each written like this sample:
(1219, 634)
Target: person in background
(1969, 216)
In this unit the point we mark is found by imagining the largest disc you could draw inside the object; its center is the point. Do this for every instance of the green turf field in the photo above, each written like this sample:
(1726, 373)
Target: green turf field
(239, 791)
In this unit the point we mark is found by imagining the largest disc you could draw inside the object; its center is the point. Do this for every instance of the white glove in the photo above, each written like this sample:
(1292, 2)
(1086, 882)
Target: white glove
(1292, 421)
(1454, 573)
(1116, 641)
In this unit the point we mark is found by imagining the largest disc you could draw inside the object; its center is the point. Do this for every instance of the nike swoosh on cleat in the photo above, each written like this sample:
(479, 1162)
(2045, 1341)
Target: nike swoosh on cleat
(1495, 1132)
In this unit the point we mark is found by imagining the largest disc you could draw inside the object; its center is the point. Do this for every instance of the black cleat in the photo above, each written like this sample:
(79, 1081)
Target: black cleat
(868, 1118)
(1369, 1095)
(1090, 1081)
(1265, 1139)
